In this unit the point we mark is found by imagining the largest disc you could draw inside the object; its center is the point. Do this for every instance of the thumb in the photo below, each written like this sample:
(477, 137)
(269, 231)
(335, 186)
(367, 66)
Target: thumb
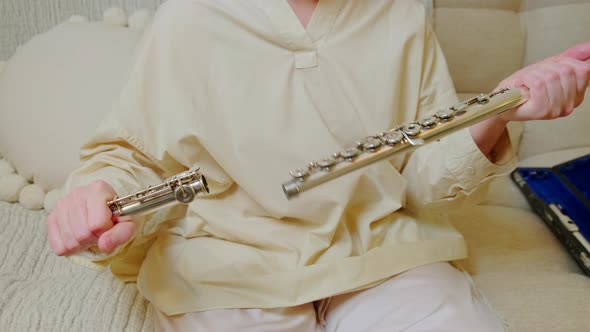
(579, 52)
(118, 235)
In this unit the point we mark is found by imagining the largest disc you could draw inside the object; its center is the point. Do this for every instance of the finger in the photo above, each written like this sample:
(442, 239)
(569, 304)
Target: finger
(53, 236)
(66, 234)
(515, 81)
(116, 236)
(582, 72)
(538, 97)
(525, 92)
(554, 92)
(79, 224)
(579, 52)
(99, 216)
(567, 79)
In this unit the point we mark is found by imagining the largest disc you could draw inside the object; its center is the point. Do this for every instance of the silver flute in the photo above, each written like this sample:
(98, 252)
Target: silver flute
(400, 139)
(178, 189)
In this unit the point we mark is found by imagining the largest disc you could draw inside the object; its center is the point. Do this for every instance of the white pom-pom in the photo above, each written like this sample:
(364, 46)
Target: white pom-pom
(78, 19)
(32, 197)
(140, 19)
(10, 187)
(115, 16)
(28, 176)
(51, 199)
(6, 168)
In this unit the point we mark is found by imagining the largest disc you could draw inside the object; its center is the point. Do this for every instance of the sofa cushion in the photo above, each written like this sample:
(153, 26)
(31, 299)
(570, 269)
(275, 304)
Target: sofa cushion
(504, 239)
(530, 301)
(482, 41)
(55, 90)
(544, 136)
(550, 28)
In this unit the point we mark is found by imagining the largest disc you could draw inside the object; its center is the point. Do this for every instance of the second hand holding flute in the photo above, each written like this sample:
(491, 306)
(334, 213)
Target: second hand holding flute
(403, 138)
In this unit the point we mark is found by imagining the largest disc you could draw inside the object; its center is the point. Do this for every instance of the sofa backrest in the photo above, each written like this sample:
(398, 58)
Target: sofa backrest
(485, 41)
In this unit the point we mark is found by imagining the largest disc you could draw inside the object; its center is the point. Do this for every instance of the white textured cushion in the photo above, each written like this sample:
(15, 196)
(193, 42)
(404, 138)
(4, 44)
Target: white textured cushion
(531, 301)
(55, 90)
(505, 239)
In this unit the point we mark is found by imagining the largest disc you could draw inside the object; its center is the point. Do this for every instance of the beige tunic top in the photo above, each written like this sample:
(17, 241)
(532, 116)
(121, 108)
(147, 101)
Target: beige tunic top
(242, 90)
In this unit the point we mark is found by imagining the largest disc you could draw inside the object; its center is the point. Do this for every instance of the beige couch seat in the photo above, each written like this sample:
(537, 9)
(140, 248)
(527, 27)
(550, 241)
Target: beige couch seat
(517, 262)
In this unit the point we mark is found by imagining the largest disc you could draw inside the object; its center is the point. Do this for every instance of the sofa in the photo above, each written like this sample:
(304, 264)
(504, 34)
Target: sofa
(516, 261)
(80, 64)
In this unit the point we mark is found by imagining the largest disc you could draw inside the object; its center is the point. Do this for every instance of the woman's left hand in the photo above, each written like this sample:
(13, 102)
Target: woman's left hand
(553, 87)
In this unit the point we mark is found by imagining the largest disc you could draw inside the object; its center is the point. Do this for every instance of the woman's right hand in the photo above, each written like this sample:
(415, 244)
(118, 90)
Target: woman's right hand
(83, 219)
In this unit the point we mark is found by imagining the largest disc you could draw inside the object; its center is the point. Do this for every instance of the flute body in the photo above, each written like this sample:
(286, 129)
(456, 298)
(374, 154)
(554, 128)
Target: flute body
(181, 188)
(400, 139)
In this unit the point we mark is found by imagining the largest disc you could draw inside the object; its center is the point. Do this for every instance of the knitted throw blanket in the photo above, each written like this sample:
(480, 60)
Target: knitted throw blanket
(42, 292)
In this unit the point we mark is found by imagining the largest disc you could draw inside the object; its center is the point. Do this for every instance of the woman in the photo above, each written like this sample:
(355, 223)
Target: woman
(248, 90)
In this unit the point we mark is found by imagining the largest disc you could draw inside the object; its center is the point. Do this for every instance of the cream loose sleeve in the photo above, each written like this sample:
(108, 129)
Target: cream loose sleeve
(148, 137)
(453, 167)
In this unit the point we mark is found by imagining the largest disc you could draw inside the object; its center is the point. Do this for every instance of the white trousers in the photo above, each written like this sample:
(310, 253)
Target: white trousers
(434, 297)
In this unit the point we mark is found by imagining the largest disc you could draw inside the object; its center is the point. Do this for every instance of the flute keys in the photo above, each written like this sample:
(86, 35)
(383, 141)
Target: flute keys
(388, 142)
(371, 144)
(429, 122)
(326, 163)
(483, 99)
(393, 137)
(184, 194)
(349, 153)
(175, 178)
(412, 129)
(460, 109)
(446, 114)
(299, 173)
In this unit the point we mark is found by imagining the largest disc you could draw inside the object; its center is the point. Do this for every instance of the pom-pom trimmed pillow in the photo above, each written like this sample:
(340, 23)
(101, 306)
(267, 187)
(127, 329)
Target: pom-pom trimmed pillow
(56, 89)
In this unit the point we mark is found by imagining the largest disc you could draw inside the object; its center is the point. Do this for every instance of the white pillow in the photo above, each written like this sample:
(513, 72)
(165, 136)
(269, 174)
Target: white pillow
(55, 90)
